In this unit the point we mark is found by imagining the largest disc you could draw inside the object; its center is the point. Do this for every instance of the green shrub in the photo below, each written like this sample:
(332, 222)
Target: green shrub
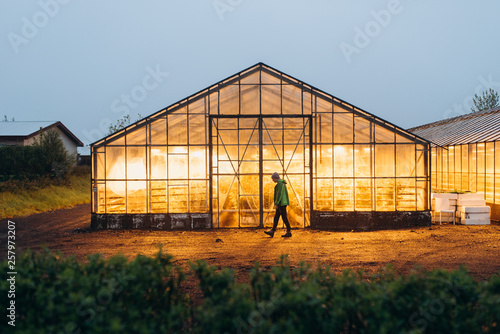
(56, 294)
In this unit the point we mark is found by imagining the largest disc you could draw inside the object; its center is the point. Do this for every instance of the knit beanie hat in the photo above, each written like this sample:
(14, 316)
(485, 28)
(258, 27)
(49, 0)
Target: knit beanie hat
(275, 175)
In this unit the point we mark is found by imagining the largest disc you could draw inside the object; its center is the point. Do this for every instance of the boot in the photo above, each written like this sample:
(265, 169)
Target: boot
(288, 234)
(270, 233)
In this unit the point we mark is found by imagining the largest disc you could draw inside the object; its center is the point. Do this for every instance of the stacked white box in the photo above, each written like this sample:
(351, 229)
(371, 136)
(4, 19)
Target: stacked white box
(452, 201)
(472, 210)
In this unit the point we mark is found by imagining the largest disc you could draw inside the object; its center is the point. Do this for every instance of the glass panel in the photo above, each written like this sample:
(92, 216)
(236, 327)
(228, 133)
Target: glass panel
(197, 129)
(324, 161)
(362, 133)
(342, 128)
(250, 101)
(294, 159)
(344, 195)
(384, 194)
(214, 103)
(295, 210)
(402, 139)
(197, 107)
(229, 102)
(115, 196)
(323, 106)
(178, 166)
(118, 139)
(405, 195)
(271, 99)
(269, 79)
(228, 203)
(99, 200)
(362, 154)
(198, 198)
(100, 157)
(383, 135)
(481, 167)
(136, 197)
(324, 128)
(343, 164)
(177, 129)
(159, 132)
(115, 162)
(306, 103)
(384, 160)
(405, 162)
(422, 195)
(421, 164)
(197, 163)
(472, 167)
(178, 197)
(253, 78)
(136, 162)
(158, 196)
(324, 195)
(137, 136)
(292, 99)
(451, 168)
(158, 162)
(363, 195)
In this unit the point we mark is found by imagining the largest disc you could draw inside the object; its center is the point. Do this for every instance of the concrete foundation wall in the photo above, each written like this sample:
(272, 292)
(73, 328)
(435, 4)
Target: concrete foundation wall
(370, 220)
(158, 221)
(341, 221)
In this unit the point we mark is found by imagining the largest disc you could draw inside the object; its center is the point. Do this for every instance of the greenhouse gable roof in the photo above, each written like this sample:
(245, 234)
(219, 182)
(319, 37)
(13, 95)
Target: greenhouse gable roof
(481, 126)
(270, 72)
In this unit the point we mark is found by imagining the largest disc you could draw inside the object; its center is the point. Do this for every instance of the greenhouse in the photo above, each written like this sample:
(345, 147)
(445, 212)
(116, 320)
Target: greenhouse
(466, 155)
(206, 162)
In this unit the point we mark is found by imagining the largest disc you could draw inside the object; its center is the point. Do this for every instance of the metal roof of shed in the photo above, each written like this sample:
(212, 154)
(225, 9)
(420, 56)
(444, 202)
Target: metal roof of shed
(481, 126)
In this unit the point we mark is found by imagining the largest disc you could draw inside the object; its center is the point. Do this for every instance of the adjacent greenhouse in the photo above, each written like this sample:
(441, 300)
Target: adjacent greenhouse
(466, 155)
(207, 161)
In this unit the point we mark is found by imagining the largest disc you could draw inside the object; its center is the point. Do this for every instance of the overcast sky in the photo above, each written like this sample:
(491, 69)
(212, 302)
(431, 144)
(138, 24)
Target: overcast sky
(409, 62)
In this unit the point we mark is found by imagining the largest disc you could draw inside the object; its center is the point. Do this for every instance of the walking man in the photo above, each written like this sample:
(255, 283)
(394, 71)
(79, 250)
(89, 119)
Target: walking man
(280, 203)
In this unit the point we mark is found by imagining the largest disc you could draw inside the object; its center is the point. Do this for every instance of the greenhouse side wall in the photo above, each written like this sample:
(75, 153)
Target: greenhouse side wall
(469, 168)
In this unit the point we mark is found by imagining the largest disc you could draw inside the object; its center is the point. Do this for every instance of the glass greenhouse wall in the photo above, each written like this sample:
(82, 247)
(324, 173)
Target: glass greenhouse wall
(469, 167)
(207, 161)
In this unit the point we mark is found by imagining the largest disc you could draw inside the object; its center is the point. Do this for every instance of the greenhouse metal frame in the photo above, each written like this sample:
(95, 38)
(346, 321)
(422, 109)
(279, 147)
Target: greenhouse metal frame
(206, 161)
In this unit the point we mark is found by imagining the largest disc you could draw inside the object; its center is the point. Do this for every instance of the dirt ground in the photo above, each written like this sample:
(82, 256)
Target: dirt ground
(440, 246)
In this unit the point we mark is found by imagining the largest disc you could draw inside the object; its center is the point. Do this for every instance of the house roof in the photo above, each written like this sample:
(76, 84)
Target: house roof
(28, 129)
(480, 126)
(246, 73)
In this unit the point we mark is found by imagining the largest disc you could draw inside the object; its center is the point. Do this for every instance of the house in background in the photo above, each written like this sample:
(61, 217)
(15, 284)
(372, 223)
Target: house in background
(465, 155)
(25, 133)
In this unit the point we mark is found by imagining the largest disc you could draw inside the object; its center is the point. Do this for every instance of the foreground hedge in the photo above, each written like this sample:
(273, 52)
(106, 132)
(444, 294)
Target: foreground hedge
(62, 295)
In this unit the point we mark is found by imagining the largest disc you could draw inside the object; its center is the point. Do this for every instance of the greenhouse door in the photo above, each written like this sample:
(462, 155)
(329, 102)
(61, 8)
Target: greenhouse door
(245, 151)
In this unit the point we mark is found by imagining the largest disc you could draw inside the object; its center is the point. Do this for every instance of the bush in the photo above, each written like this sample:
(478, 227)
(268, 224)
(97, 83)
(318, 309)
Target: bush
(56, 294)
(60, 294)
(47, 157)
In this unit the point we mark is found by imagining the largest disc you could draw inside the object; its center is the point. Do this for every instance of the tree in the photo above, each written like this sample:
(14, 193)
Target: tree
(121, 123)
(55, 160)
(487, 101)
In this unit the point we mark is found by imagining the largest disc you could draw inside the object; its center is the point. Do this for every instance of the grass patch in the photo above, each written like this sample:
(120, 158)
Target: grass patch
(23, 198)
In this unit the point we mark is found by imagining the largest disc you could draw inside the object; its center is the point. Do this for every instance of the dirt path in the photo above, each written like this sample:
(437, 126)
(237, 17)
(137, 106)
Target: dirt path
(445, 246)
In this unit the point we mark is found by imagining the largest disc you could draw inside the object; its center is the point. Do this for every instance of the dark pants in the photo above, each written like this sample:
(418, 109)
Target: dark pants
(281, 211)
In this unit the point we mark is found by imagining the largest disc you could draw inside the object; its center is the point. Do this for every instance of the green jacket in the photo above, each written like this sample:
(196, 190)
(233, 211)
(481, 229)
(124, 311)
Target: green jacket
(280, 193)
